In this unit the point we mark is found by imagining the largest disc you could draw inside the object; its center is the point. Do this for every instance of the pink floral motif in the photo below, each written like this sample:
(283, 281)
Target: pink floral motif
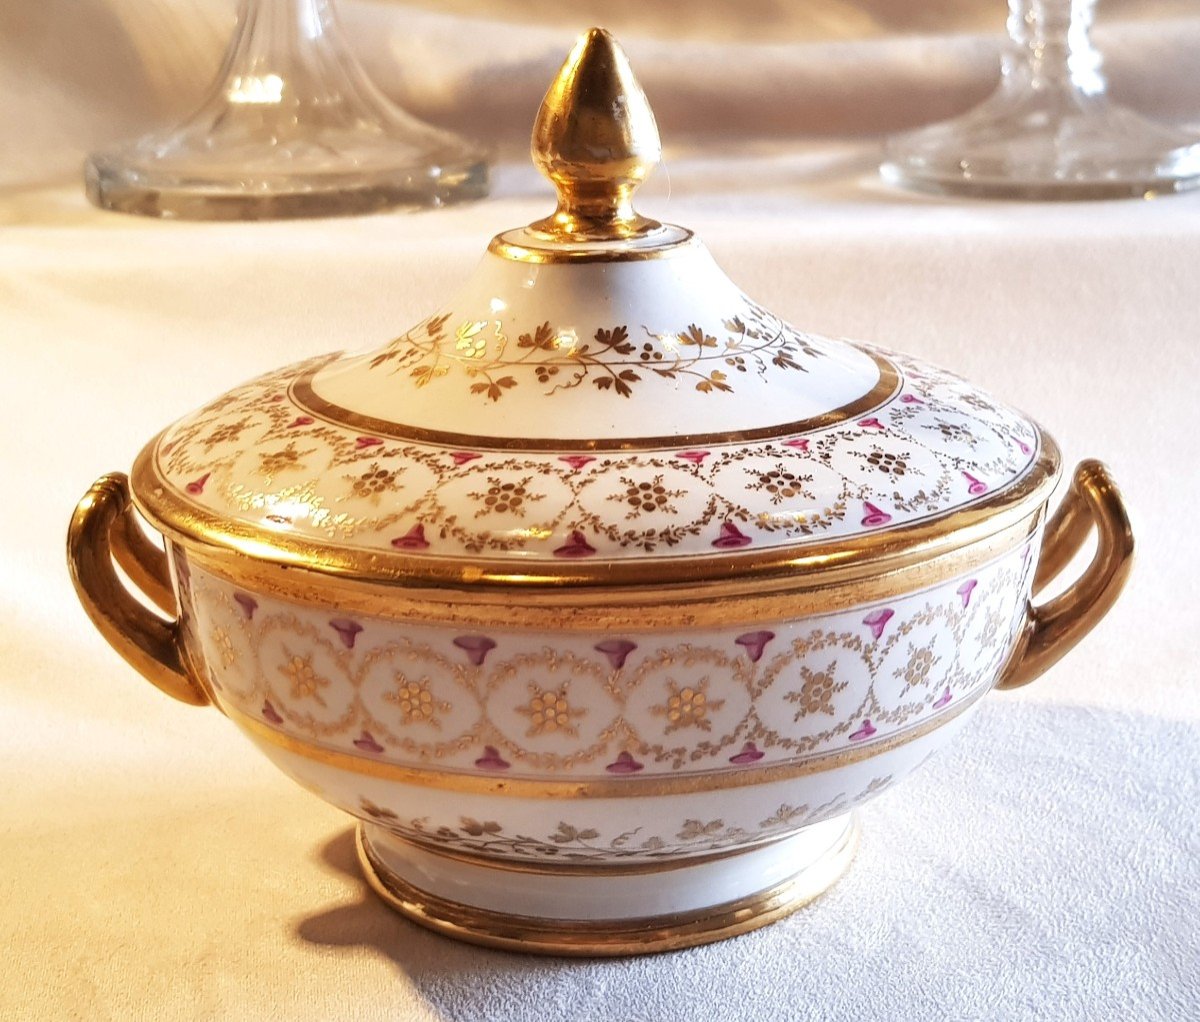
(800, 445)
(276, 398)
(270, 713)
(871, 423)
(576, 546)
(911, 399)
(695, 457)
(976, 487)
(366, 742)
(874, 516)
(966, 589)
(624, 764)
(248, 604)
(460, 458)
(864, 732)
(414, 539)
(491, 759)
(943, 699)
(750, 754)
(301, 420)
(877, 620)
(196, 486)
(362, 443)
(754, 643)
(616, 650)
(477, 647)
(1024, 447)
(731, 537)
(347, 630)
(576, 461)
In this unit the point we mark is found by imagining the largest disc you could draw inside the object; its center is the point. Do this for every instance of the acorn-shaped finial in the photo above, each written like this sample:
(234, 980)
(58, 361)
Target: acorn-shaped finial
(596, 140)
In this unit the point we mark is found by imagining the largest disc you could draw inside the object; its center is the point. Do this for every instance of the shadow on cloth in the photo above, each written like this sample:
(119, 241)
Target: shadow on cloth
(1027, 852)
(369, 922)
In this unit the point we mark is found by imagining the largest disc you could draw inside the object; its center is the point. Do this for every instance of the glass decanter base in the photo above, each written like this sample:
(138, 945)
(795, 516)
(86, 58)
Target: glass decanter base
(171, 177)
(1042, 144)
(292, 127)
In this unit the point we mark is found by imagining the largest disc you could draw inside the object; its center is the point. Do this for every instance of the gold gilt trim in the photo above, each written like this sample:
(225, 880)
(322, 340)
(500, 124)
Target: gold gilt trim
(100, 537)
(243, 552)
(589, 937)
(302, 394)
(1058, 624)
(594, 787)
(523, 246)
(752, 601)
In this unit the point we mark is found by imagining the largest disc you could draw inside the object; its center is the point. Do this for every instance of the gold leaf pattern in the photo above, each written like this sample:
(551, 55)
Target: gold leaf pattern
(610, 360)
(582, 843)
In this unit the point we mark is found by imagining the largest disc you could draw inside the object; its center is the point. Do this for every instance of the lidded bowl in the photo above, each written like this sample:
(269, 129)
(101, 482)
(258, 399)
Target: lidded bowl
(602, 597)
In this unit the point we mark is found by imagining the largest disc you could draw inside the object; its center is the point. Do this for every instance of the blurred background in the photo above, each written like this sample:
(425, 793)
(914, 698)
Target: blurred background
(77, 74)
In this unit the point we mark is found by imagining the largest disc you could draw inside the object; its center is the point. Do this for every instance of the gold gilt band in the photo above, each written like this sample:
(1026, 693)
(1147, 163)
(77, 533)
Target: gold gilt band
(522, 245)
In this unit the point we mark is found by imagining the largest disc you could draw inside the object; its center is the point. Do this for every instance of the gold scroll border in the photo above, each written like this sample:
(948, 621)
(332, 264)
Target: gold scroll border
(241, 549)
(595, 787)
(301, 392)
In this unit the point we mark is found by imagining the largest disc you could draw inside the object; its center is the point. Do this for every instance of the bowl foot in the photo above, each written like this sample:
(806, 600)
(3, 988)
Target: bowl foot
(609, 909)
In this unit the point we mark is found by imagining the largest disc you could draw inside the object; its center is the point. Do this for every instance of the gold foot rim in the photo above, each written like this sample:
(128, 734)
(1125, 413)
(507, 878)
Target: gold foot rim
(607, 938)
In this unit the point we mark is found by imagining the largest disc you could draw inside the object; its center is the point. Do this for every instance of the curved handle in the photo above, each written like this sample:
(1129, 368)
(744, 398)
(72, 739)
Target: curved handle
(102, 531)
(1056, 626)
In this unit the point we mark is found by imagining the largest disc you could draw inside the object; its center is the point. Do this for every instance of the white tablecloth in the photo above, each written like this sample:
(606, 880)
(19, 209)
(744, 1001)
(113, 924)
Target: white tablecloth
(154, 866)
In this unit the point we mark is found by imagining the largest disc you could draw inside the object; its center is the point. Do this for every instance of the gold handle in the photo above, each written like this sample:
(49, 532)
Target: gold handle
(103, 530)
(1057, 625)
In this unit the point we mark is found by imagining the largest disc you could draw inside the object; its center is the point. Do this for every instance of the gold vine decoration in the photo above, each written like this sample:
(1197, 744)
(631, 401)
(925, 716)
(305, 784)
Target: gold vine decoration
(611, 360)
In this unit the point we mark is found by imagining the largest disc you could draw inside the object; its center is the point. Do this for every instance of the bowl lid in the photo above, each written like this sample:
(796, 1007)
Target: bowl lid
(598, 404)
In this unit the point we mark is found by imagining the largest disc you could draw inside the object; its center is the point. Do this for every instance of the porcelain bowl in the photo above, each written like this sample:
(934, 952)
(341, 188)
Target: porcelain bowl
(603, 596)
(631, 771)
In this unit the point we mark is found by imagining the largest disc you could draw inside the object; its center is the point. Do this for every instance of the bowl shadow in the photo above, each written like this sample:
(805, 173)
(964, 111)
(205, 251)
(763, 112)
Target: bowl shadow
(430, 961)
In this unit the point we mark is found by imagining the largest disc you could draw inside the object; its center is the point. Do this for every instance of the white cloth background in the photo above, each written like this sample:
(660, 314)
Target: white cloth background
(154, 866)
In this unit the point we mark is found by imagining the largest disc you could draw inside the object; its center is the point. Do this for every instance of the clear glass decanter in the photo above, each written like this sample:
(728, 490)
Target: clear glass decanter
(292, 127)
(1049, 131)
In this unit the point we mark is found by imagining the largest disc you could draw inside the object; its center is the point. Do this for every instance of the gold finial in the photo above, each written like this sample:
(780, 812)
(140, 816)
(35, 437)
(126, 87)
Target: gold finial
(596, 139)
